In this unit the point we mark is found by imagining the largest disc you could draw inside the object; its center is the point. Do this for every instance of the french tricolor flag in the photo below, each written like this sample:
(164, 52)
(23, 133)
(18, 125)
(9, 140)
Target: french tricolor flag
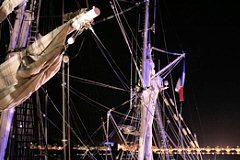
(180, 84)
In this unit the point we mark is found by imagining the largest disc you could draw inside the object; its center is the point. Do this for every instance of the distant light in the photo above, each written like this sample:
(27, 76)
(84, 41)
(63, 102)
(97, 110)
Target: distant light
(189, 150)
(180, 150)
(218, 149)
(208, 149)
(70, 40)
(198, 149)
(238, 150)
(109, 143)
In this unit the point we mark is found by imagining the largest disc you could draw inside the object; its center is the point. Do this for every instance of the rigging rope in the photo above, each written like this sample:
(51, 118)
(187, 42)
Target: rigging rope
(91, 82)
(79, 48)
(78, 116)
(93, 102)
(72, 130)
(116, 13)
(122, 12)
(181, 139)
(97, 40)
(188, 138)
(127, 23)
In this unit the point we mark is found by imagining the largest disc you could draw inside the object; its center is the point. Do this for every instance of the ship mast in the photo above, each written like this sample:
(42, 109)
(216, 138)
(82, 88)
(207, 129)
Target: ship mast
(7, 115)
(145, 139)
(22, 35)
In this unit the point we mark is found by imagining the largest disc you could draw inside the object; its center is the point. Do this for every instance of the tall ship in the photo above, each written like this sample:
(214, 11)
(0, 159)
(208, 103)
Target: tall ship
(91, 80)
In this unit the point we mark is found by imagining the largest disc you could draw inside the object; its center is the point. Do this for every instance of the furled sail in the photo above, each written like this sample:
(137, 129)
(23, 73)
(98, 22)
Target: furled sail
(149, 101)
(7, 7)
(29, 69)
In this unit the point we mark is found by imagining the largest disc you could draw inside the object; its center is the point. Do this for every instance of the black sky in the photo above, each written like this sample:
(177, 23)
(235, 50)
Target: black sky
(209, 33)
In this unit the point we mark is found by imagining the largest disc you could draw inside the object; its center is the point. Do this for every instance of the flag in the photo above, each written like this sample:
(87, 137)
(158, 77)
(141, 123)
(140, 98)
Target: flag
(180, 84)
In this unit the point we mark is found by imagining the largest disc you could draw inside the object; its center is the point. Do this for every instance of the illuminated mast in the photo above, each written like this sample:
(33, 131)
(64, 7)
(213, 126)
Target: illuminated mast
(18, 40)
(145, 139)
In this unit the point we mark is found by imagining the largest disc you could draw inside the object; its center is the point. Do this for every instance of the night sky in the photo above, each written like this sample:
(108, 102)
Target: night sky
(207, 31)
(209, 34)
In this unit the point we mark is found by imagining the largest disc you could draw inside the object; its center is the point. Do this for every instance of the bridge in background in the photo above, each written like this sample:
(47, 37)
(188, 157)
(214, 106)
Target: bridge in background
(207, 150)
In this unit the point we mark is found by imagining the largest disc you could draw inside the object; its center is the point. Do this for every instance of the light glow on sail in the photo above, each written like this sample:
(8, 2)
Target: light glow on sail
(87, 17)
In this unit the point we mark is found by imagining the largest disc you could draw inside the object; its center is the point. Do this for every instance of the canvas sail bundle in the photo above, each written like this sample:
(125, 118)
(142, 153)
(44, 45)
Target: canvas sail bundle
(26, 71)
(7, 7)
(149, 101)
(29, 69)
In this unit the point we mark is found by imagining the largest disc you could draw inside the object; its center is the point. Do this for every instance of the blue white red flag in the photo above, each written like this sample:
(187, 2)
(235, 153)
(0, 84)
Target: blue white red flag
(180, 84)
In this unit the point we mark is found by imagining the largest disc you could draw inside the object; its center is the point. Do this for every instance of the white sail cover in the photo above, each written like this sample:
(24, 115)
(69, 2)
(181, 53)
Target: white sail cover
(7, 8)
(149, 101)
(27, 70)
